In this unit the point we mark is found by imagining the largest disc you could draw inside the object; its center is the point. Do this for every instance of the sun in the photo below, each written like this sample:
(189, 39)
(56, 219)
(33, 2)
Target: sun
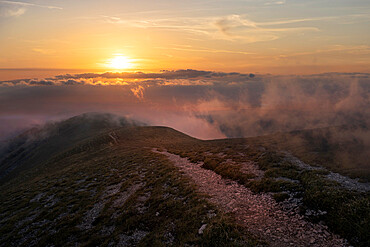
(119, 62)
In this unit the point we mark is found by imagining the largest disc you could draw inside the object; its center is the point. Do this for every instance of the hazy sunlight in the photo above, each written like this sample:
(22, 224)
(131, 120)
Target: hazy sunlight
(119, 62)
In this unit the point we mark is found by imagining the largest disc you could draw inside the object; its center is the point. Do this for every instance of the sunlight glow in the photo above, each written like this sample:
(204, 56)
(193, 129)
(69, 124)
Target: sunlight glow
(119, 62)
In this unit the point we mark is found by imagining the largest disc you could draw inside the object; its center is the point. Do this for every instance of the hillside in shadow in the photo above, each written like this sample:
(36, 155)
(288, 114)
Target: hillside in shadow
(99, 179)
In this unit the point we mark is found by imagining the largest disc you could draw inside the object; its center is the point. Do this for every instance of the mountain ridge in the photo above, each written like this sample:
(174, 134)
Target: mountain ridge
(105, 188)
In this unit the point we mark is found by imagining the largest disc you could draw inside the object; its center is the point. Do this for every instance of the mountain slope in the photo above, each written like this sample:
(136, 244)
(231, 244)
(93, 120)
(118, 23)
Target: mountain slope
(40, 144)
(123, 186)
(112, 190)
(343, 149)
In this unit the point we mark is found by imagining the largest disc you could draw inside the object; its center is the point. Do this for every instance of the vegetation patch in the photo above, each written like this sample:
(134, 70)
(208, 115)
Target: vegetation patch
(71, 200)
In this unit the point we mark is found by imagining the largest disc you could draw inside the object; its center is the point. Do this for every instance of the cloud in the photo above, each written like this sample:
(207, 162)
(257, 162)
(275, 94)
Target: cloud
(201, 49)
(16, 9)
(279, 2)
(165, 77)
(201, 26)
(292, 21)
(43, 51)
(138, 92)
(358, 50)
(12, 12)
(229, 27)
(217, 103)
(26, 4)
(234, 27)
(239, 28)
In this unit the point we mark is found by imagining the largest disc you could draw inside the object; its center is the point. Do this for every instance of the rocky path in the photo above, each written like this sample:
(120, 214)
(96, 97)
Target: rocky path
(258, 212)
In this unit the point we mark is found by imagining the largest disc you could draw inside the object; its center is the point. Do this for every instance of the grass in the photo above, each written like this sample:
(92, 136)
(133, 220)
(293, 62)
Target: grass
(171, 212)
(280, 197)
(342, 149)
(347, 212)
(227, 170)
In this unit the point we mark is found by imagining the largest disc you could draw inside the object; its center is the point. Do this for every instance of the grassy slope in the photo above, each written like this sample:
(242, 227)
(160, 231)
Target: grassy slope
(98, 158)
(38, 145)
(342, 149)
(45, 204)
(348, 212)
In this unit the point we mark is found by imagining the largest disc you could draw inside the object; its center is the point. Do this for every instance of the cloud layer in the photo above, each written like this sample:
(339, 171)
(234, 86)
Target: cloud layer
(204, 104)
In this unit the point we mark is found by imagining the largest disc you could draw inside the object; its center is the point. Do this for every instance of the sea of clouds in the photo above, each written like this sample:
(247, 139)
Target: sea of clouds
(203, 104)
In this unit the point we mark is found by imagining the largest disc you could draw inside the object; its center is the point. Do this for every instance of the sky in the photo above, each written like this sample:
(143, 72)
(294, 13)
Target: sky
(211, 69)
(258, 36)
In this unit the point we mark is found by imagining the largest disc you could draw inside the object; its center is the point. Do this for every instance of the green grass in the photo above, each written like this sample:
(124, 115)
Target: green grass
(171, 213)
(226, 170)
(348, 212)
(342, 149)
(279, 197)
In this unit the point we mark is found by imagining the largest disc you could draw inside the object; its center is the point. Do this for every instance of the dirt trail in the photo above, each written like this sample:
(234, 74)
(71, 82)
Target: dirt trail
(258, 212)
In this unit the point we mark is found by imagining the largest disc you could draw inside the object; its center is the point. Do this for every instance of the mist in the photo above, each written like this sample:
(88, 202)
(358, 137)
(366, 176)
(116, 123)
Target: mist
(203, 104)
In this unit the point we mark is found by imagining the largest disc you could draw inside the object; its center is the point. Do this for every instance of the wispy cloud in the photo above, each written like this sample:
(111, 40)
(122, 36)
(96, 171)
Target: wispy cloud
(202, 49)
(279, 2)
(16, 9)
(138, 92)
(194, 25)
(30, 4)
(292, 21)
(12, 12)
(361, 49)
(230, 27)
(239, 28)
(43, 51)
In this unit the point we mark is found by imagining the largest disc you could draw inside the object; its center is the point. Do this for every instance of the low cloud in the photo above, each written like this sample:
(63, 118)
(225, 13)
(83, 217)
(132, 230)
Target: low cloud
(165, 77)
(204, 104)
(138, 92)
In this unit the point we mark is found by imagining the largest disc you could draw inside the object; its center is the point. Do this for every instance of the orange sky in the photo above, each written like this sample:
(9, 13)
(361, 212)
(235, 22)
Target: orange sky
(279, 37)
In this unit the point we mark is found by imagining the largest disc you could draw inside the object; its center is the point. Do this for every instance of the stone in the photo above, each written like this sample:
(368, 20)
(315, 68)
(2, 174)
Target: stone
(202, 228)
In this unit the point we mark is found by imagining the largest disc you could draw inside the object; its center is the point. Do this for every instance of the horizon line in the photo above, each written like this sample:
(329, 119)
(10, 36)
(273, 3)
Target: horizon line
(160, 70)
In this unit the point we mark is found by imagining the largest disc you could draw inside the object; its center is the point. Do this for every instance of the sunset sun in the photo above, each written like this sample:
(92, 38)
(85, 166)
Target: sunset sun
(119, 62)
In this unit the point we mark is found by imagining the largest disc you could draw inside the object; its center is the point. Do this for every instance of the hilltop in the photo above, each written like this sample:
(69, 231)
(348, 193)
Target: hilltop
(37, 145)
(99, 179)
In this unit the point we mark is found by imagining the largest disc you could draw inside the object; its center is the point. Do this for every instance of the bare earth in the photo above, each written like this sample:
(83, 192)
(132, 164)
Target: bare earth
(259, 213)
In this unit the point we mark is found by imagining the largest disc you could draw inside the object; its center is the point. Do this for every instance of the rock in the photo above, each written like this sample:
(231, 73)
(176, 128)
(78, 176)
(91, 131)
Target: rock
(312, 241)
(202, 228)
